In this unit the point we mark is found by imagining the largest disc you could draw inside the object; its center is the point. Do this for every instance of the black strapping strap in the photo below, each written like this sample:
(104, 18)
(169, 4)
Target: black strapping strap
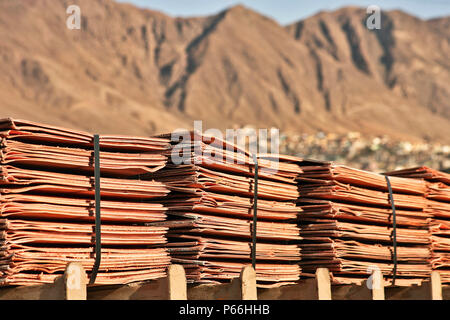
(255, 210)
(98, 223)
(394, 229)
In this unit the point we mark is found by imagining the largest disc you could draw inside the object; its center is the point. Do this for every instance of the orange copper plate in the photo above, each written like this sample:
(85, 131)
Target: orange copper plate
(28, 131)
(22, 206)
(17, 180)
(323, 209)
(361, 178)
(422, 173)
(62, 158)
(48, 208)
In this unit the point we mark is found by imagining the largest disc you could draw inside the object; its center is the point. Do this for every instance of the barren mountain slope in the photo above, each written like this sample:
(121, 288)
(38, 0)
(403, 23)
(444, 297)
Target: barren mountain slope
(387, 77)
(106, 76)
(131, 70)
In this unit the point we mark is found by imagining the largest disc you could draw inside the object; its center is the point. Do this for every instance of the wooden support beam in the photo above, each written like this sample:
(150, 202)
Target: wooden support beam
(377, 285)
(429, 289)
(248, 284)
(305, 289)
(323, 284)
(242, 288)
(70, 286)
(436, 286)
(351, 292)
(149, 290)
(176, 282)
(171, 287)
(223, 291)
(317, 288)
(370, 289)
(74, 282)
(36, 292)
(446, 292)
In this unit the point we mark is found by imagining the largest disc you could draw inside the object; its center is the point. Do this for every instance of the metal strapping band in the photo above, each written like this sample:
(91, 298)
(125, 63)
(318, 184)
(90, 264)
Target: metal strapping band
(394, 229)
(98, 240)
(255, 210)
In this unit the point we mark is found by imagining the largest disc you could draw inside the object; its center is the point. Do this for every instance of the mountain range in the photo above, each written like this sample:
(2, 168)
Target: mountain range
(137, 71)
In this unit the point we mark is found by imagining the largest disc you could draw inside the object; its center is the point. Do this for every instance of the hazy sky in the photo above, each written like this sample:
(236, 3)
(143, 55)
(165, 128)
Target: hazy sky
(286, 11)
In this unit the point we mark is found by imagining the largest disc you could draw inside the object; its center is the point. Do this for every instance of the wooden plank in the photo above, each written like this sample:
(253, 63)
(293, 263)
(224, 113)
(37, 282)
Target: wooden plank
(429, 290)
(318, 288)
(323, 284)
(242, 288)
(371, 289)
(38, 292)
(171, 287)
(413, 292)
(176, 283)
(70, 286)
(149, 290)
(305, 289)
(74, 282)
(223, 291)
(436, 286)
(248, 284)
(446, 292)
(351, 292)
(377, 285)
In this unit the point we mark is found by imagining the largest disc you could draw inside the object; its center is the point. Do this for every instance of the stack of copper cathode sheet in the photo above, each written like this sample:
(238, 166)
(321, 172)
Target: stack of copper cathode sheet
(346, 222)
(212, 210)
(191, 202)
(438, 206)
(48, 209)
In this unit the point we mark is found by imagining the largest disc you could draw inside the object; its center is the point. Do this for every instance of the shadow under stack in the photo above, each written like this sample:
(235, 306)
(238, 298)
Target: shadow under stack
(48, 208)
(346, 223)
(438, 206)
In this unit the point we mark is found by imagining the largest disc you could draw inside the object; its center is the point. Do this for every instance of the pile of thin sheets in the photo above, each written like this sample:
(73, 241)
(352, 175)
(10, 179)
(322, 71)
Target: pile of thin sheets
(47, 216)
(438, 206)
(211, 211)
(346, 224)
(191, 202)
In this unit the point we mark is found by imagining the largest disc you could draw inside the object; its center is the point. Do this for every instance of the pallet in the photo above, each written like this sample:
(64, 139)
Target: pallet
(73, 286)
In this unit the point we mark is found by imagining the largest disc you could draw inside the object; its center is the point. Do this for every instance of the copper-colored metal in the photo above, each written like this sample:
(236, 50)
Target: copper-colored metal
(347, 223)
(32, 132)
(422, 173)
(361, 178)
(47, 205)
(199, 213)
(211, 211)
(73, 159)
(438, 206)
(358, 213)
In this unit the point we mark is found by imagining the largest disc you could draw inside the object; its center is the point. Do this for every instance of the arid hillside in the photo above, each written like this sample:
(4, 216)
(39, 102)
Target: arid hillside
(137, 71)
